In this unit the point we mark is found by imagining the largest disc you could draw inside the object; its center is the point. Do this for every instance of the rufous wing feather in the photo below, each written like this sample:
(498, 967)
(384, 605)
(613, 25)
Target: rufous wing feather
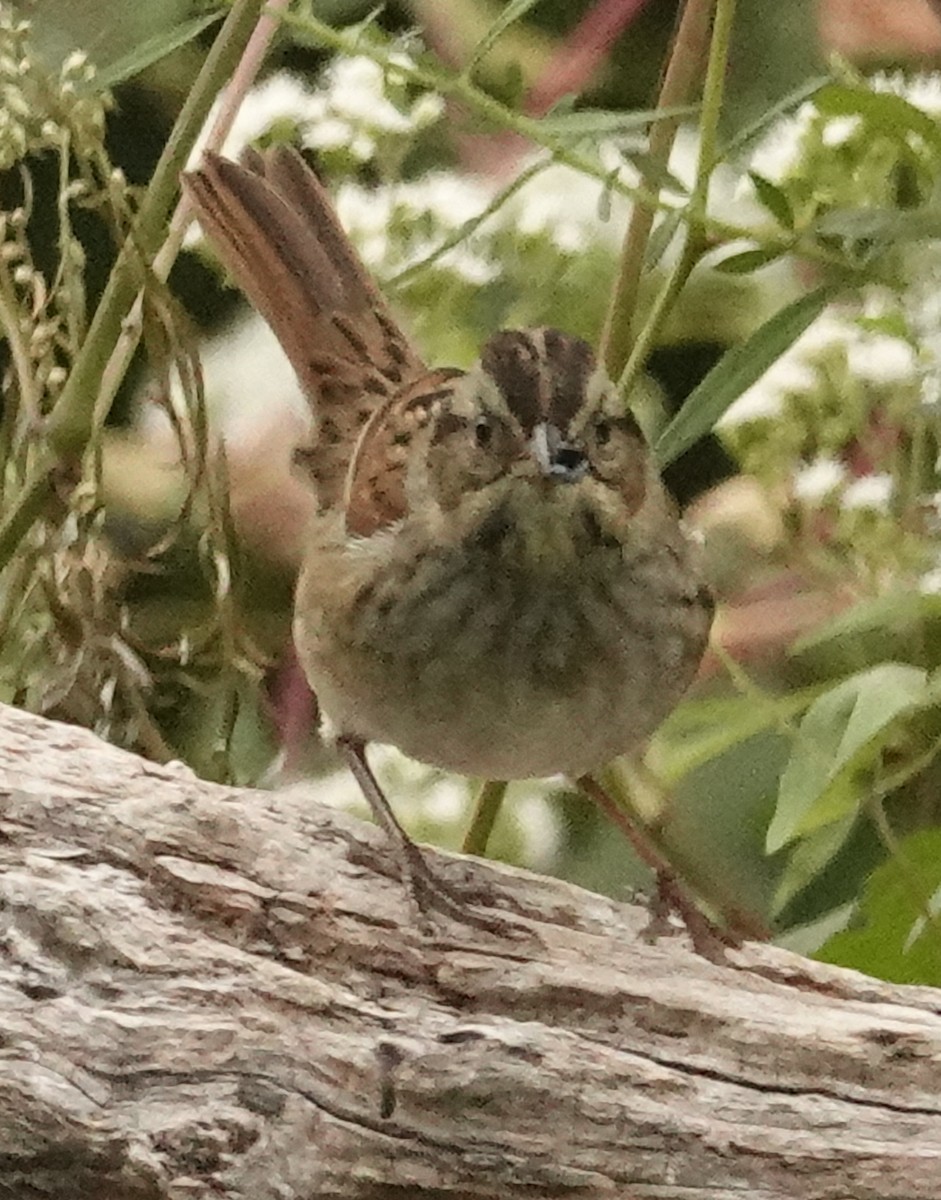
(375, 495)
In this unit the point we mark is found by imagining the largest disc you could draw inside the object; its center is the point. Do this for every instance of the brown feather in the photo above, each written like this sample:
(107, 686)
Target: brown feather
(273, 225)
(376, 483)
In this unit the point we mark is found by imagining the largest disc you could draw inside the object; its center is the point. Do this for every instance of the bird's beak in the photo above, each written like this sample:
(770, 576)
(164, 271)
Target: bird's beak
(557, 458)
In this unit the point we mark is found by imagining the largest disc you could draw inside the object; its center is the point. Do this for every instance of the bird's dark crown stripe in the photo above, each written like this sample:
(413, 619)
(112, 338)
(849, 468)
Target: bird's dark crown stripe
(513, 361)
(570, 363)
(542, 374)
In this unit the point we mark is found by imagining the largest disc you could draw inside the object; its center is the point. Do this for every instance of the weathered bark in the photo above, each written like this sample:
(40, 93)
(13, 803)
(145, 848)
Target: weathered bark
(213, 992)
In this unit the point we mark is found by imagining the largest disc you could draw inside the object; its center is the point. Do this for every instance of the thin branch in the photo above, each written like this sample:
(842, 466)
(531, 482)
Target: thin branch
(403, 278)
(486, 810)
(73, 419)
(19, 349)
(679, 84)
(696, 214)
(231, 99)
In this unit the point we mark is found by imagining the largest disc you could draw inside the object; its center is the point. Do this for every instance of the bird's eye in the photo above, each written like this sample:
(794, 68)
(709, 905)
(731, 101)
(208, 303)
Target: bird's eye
(483, 432)
(603, 433)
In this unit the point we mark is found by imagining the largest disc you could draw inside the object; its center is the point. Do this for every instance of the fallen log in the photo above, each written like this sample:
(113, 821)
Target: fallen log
(215, 992)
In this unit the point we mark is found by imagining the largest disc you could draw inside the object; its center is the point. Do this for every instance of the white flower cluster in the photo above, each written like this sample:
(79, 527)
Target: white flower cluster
(878, 359)
(781, 152)
(559, 203)
(886, 350)
(827, 478)
(818, 480)
(439, 202)
(351, 110)
(571, 210)
(41, 109)
(356, 110)
(923, 90)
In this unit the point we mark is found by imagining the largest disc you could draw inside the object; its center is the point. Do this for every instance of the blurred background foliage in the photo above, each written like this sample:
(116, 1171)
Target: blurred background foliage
(150, 597)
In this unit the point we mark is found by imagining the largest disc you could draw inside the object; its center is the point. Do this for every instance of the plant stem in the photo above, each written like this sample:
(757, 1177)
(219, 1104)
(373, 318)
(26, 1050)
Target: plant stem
(19, 348)
(482, 822)
(71, 422)
(29, 504)
(234, 93)
(712, 99)
(695, 241)
(403, 277)
(678, 86)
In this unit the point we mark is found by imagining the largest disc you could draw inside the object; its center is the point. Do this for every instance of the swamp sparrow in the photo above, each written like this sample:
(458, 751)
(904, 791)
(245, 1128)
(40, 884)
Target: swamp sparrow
(495, 581)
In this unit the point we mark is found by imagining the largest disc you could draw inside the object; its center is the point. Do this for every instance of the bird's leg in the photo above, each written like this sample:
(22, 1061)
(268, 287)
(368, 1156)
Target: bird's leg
(708, 939)
(423, 886)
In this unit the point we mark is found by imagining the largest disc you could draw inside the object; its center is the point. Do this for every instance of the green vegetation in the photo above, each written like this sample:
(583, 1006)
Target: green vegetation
(145, 573)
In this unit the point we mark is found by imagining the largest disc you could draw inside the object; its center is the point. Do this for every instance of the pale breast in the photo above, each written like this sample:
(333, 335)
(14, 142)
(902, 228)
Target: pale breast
(463, 659)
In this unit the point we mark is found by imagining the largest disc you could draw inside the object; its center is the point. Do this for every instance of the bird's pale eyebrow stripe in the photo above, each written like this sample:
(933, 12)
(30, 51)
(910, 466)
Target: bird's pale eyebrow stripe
(437, 385)
(427, 399)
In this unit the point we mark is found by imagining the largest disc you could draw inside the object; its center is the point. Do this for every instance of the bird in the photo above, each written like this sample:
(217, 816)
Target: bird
(495, 579)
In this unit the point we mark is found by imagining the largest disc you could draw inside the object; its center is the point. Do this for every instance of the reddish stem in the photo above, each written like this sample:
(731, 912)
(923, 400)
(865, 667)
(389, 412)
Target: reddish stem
(582, 52)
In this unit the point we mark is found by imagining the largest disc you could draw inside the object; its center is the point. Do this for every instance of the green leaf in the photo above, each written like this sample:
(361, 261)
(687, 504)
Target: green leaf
(882, 112)
(594, 122)
(701, 730)
(809, 857)
(881, 226)
(843, 731)
(893, 324)
(891, 935)
(768, 119)
(773, 199)
(898, 612)
(654, 174)
(512, 12)
(737, 370)
(663, 234)
(807, 939)
(748, 261)
(829, 801)
(152, 50)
